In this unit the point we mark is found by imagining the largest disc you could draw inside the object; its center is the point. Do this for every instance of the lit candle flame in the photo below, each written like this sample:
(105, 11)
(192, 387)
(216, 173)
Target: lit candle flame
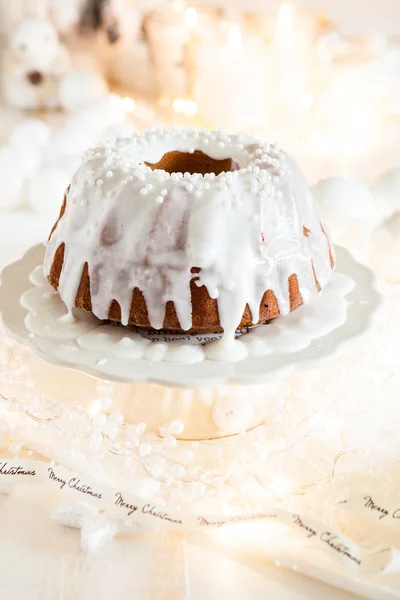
(285, 18)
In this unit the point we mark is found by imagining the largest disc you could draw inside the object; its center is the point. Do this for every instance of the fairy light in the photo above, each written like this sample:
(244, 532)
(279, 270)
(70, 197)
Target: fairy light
(185, 107)
(129, 104)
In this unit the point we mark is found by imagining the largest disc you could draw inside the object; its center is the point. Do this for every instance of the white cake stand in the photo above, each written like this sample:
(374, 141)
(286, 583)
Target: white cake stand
(311, 334)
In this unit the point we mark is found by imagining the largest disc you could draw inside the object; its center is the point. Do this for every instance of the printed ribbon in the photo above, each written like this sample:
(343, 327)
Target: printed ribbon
(131, 512)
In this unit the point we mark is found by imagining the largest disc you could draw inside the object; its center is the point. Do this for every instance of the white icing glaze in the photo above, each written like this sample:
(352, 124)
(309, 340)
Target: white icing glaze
(135, 227)
(294, 332)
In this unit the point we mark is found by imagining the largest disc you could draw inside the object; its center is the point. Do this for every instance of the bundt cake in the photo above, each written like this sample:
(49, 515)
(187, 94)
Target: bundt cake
(192, 231)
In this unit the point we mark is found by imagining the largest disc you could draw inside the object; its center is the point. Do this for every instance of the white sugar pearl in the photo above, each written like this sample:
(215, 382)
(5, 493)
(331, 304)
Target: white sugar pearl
(159, 199)
(176, 427)
(109, 174)
(144, 192)
(145, 449)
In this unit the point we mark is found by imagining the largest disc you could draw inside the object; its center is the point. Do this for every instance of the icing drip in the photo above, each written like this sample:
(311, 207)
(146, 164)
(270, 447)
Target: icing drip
(141, 228)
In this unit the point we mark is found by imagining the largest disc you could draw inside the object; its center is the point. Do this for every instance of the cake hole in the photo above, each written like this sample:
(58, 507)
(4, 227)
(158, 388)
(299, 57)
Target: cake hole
(193, 162)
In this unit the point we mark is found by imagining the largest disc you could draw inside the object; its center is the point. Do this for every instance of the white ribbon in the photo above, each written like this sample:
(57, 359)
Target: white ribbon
(126, 513)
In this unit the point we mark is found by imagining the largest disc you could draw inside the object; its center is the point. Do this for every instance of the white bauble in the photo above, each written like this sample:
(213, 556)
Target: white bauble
(120, 130)
(233, 414)
(386, 190)
(100, 120)
(385, 248)
(81, 87)
(31, 132)
(17, 162)
(340, 199)
(35, 43)
(69, 141)
(74, 514)
(29, 158)
(11, 179)
(46, 189)
(348, 207)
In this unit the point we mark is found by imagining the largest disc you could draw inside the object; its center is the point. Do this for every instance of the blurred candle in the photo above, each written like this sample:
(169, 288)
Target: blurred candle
(293, 60)
(230, 84)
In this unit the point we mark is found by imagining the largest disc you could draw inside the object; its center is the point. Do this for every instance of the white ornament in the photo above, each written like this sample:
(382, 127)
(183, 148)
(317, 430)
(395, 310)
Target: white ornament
(341, 199)
(31, 132)
(80, 88)
(386, 190)
(96, 533)
(33, 65)
(69, 141)
(11, 179)
(117, 131)
(348, 207)
(35, 43)
(74, 514)
(46, 188)
(385, 248)
(233, 415)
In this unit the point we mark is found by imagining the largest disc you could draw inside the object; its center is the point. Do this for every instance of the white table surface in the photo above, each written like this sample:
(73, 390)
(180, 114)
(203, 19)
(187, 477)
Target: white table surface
(41, 561)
